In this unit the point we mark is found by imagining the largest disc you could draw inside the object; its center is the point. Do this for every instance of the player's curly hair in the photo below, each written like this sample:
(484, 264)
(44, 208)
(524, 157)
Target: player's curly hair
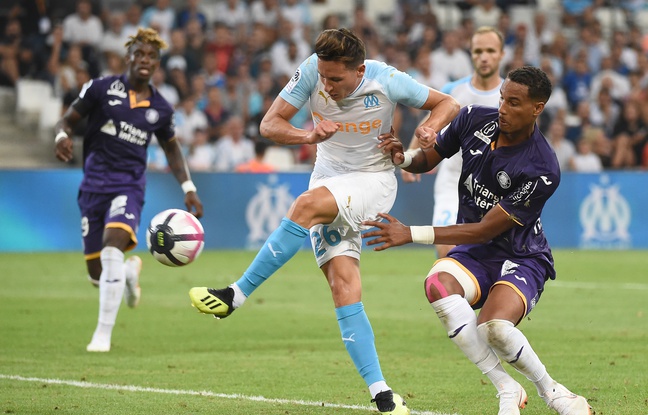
(146, 35)
(341, 45)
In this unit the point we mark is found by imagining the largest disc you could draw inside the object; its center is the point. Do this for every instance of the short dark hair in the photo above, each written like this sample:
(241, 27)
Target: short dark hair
(535, 79)
(340, 45)
(260, 147)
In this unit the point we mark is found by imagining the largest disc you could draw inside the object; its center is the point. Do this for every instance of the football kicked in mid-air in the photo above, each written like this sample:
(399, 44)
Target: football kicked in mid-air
(175, 237)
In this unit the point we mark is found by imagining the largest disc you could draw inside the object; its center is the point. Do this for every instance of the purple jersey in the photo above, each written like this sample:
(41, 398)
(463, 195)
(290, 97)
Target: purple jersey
(519, 178)
(119, 132)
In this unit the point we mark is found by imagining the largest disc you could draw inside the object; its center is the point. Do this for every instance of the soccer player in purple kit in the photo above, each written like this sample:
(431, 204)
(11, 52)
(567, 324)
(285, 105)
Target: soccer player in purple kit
(124, 112)
(502, 258)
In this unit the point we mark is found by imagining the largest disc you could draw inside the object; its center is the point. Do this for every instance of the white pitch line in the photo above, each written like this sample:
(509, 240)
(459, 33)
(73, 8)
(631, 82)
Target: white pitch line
(133, 388)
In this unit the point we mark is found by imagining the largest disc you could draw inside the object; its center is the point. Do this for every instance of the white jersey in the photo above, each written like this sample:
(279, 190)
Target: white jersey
(363, 115)
(446, 199)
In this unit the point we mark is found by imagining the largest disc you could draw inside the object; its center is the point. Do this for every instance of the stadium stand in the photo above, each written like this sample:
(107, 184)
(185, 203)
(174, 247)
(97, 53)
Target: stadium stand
(235, 50)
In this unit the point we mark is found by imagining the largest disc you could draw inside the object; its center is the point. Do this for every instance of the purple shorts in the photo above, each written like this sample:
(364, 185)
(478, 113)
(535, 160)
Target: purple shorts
(121, 210)
(526, 276)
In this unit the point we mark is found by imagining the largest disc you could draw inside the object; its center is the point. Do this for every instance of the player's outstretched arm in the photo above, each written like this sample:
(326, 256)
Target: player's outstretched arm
(178, 166)
(393, 233)
(387, 234)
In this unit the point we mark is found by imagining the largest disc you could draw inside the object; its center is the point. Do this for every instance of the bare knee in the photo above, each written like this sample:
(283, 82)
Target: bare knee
(313, 207)
(119, 238)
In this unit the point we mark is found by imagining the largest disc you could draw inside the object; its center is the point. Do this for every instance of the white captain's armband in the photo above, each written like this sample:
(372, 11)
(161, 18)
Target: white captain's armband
(422, 234)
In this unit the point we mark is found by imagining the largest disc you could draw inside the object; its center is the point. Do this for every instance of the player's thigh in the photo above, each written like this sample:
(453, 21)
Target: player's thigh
(93, 208)
(101, 211)
(359, 197)
(123, 219)
(524, 276)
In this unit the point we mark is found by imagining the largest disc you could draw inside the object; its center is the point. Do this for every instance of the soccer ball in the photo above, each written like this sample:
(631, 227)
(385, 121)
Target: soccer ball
(175, 237)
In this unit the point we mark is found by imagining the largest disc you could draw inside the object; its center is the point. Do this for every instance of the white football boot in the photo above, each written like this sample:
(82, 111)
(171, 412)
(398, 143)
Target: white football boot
(561, 400)
(512, 400)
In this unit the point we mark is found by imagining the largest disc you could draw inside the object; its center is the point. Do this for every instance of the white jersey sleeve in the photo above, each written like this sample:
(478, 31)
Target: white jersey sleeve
(362, 116)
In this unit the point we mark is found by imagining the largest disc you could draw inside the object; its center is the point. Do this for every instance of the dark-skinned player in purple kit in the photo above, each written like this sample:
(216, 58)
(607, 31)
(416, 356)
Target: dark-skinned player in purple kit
(124, 113)
(502, 258)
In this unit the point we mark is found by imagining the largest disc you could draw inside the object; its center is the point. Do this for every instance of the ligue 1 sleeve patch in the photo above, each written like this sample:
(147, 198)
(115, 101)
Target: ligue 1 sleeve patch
(293, 81)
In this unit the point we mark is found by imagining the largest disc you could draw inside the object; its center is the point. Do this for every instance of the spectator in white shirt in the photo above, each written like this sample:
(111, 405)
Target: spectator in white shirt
(607, 77)
(83, 28)
(298, 13)
(287, 53)
(201, 152)
(265, 12)
(485, 13)
(586, 160)
(168, 91)
(189, 119)
(114, 37)
(564, 149)
(233, 148)
(454, 62)
(161, 17)
(234, 14)
(424, 71)
(133, 16)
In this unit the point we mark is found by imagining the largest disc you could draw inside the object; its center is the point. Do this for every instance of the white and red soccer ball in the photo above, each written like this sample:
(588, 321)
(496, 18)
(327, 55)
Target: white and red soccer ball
(175, 237)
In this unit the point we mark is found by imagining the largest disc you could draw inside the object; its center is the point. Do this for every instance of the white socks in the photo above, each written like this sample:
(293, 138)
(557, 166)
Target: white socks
(239, 296)
(460, 321)
(111, 291)
(377, 387)
(514, 348)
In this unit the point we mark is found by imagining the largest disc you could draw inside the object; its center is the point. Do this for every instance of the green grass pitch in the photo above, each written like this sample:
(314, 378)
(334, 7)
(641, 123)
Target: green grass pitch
(282, 353)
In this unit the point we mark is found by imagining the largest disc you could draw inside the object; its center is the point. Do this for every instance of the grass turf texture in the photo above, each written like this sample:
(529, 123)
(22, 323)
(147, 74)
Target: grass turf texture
(590, 329)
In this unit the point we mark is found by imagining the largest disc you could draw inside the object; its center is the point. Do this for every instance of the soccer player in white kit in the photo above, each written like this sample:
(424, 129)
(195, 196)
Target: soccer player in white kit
(352, 102)
(483, 88)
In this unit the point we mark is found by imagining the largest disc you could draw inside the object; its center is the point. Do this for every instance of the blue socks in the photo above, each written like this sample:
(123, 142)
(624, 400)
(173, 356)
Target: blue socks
(356, 330)
(358, 338)
(280, 246)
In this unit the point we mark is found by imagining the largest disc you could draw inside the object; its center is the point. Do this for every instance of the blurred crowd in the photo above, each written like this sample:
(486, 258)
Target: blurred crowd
(228, 59)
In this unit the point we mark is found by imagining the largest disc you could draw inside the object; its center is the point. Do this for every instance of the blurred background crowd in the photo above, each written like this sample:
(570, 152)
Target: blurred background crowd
(228, 59)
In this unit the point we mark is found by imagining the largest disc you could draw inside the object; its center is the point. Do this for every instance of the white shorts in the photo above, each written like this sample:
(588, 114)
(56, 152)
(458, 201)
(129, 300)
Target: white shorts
(446, 191)
(360, 196)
